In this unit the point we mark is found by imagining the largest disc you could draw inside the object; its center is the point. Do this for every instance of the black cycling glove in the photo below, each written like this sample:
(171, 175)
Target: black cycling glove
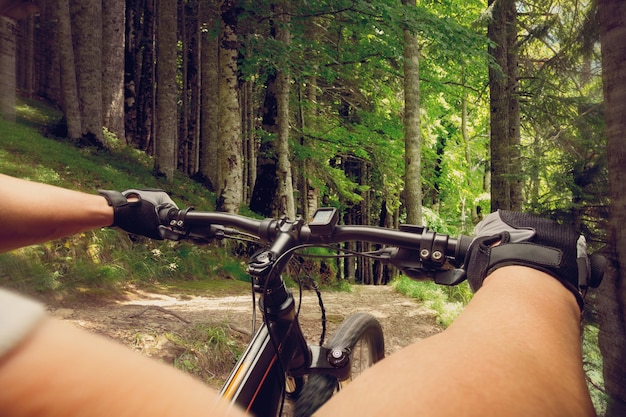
(512, 238)
(140, 215)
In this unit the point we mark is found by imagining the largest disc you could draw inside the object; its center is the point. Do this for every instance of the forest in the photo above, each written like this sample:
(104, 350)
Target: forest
(430, 112)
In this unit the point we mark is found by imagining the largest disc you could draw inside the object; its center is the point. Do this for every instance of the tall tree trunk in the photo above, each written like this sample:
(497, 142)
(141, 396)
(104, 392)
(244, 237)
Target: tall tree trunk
(263, 200)
(514, 135)
(612, 293)
(209, 116)
(87, 22)
(310, 193)
(193, 86)
(7, 68)
(132, 70)
(285, 179)
(140, 74)
(167, 110)
(113, 31)
(504, 105)
(25, 52)
(146, 80)
(183, 131)
(68, 70)
(230, 186)
(412, 135)
(250, 143)
(46, 75)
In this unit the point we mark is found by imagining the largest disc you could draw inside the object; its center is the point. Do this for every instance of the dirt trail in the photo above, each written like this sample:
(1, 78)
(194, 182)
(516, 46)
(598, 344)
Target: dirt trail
(404, 320)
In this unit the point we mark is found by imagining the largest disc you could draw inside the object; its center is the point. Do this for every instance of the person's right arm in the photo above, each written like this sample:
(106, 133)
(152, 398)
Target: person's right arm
(514, 351)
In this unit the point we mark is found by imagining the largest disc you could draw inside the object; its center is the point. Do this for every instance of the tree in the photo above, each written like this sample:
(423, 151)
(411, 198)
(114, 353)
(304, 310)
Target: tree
(87, 34)
(113, 30)
(612, 294)
(283, 80)
(230, 180)
(68, 70)
(167, 91)
(412, 134)
(209, 106)
(189, 149)
(139, 82)
(504, 104)
(7, 68)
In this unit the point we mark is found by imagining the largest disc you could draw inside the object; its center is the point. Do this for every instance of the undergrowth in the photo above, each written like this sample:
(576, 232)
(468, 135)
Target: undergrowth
(206, 351)
(446, 302)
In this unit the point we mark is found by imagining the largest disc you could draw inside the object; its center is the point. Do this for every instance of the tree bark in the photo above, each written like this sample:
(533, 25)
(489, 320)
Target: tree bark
(230, 186)
(167, 110)
(87, 20)
(249, 142)
(412, 135)
(193, 85)
(310, 193)
(285, 179)
(612, 292)
(113, 33)
(25, 56)
(146, 92)
(504, 106)
(514, 134)
(68, 70)
(7, 68)
(263, 199)
(209, 115)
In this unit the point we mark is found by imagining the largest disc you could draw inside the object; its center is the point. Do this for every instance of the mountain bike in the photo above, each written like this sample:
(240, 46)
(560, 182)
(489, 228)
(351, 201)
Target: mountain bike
(279, 364)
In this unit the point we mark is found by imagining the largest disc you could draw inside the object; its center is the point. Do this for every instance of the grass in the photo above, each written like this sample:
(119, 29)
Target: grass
(101, 260)
(206, 351)
(446, 302)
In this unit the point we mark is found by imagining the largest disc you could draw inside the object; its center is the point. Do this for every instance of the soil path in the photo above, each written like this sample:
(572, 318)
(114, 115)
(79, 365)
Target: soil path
(128, 321)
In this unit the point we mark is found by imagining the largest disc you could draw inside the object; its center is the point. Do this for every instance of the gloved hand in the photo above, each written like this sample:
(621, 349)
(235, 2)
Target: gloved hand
(511, 238)
(137, 211)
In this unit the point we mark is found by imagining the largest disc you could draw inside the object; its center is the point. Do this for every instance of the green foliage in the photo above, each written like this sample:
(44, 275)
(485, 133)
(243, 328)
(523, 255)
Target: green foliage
(106, 259)
(592, 362)
(447, 303)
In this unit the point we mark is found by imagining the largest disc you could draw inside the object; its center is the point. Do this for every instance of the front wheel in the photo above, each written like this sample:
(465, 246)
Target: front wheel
(362, 336)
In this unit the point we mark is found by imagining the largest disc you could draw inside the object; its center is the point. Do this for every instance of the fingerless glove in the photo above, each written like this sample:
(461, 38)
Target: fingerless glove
(512, 238)
(140, 214)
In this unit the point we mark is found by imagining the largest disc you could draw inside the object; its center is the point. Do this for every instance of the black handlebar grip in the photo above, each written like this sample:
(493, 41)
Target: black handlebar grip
(598, 265)
(169, 214)
(462, 246)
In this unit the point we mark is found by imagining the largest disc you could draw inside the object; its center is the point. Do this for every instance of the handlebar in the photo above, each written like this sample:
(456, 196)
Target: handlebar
(415, 250)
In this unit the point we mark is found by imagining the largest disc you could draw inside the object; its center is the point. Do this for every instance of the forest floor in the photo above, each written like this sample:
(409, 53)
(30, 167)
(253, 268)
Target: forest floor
(144, 321)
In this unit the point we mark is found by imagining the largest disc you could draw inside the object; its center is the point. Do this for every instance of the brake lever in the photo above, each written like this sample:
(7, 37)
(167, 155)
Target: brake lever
(450, 277)
(176, 235)
(170, 234)
(416, 267)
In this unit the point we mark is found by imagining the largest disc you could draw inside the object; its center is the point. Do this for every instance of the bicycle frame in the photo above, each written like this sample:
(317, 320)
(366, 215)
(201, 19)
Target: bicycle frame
(278, 348)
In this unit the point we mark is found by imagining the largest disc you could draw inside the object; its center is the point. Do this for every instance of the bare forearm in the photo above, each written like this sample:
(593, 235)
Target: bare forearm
(61, 371)
(32, 212)
(514, 351)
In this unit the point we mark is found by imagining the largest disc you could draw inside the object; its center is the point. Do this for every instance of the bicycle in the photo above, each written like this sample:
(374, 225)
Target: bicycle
(279, 363)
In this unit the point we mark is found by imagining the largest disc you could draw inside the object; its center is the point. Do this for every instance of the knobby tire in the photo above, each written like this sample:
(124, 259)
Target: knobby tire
(362, 334)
